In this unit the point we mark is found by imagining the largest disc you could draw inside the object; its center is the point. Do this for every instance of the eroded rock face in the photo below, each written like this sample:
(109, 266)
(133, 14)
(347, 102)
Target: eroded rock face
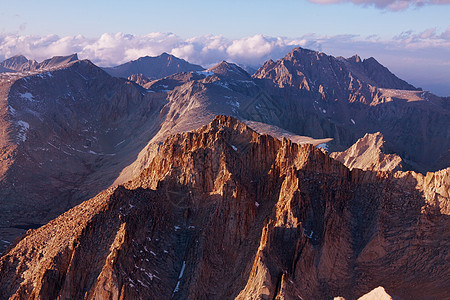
(223, 212)
(368, 153)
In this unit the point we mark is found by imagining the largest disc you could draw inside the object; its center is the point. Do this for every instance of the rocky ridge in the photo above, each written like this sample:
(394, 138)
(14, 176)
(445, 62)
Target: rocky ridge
(223, 212)
(20, 63)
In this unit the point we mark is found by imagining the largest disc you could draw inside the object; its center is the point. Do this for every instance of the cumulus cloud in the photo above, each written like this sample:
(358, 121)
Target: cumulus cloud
(419, 57)
(113, 49)
(394, 5)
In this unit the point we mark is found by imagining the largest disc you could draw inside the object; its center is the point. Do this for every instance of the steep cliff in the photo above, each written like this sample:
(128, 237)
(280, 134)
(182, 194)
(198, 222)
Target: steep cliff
(223, 212)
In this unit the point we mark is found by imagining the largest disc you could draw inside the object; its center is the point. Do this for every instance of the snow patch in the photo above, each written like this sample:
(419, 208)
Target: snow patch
(223, 84)
(12, 110)
(22, 130)
(150, 275)
(27, 96)
(119, 143)
(324, 146)
(234, 103)
(206, 73)
(310, 235)
(177, 288)
(143, 284)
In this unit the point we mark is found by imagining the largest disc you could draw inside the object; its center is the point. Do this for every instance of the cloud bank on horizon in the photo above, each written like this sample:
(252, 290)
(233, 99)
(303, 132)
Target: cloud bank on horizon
(394, 5)
(420, 58)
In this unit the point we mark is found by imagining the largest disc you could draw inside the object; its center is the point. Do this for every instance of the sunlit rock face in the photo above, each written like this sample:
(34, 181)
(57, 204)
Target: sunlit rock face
(223, 212)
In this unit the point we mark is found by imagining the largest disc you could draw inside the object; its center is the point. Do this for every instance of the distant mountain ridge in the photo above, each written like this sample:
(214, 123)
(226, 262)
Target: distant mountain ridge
(317, 72)
(20, 63)
(153, 67)
(347, 98)
(17, 63)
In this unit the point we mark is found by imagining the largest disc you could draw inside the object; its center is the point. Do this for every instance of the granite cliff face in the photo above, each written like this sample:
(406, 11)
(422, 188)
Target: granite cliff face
(223, 212)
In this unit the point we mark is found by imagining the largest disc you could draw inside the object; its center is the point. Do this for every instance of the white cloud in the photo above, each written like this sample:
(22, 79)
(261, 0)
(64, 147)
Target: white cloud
(419, 57)
(113, 49)
(255, 49)
(395, 5)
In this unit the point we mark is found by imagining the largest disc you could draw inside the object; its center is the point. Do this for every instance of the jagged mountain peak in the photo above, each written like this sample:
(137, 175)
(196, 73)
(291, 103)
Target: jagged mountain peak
(22, 64)
(309, 66)
(16, 63)
(57, 61)
(301, 50)
(355, 59)
(230, 70)
(20, 59)
(371, 152)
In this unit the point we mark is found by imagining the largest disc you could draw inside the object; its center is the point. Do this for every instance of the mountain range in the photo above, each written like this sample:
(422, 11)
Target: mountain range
(157, 196)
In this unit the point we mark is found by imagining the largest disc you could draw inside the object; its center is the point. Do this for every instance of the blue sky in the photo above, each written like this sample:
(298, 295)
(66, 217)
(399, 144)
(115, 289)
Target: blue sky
(410, 37)
(231, 18)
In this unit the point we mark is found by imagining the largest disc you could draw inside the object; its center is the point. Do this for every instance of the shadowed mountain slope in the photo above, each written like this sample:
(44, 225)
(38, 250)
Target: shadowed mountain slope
(65, 134)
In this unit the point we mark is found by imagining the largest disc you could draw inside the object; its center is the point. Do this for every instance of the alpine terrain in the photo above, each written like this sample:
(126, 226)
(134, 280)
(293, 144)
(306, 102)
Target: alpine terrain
(316, 177)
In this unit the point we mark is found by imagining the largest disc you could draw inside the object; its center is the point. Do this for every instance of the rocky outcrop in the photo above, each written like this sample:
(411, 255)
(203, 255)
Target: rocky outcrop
(153, 67)
(139, 79)
(223, 212)
(369, 153)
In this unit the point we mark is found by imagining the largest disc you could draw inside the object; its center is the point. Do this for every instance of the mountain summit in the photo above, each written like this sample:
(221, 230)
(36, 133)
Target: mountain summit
(153, 67)
(317, 72)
